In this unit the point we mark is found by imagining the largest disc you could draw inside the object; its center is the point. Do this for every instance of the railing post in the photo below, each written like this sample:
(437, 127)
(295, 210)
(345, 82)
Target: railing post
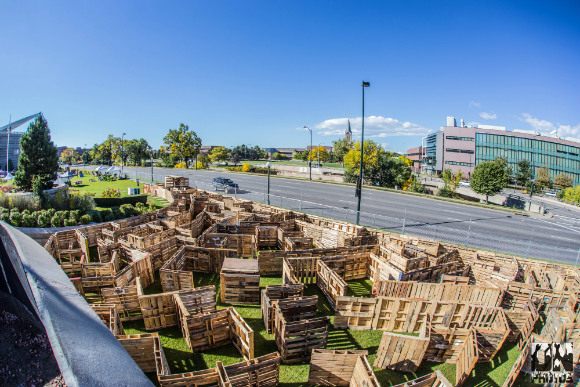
(405, 220)
(300, 201)
(468, 233)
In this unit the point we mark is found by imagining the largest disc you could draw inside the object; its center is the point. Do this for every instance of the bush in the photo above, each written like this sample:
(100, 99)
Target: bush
(246, 167)
(96, 216)
(180, 165)
(70, 222)
(43, 220)
(117, 212)
(24, 202)
(56, 221)
(111, 202)
(85, 219)
(28, 220)
(81, 201)
(445, 192)
(16, 218)
(111, 193)
(128, 210)
(107, 215)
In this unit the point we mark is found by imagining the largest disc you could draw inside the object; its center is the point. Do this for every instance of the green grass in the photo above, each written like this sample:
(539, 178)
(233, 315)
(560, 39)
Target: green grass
(298, 163)
(98, 187)
(181, 359)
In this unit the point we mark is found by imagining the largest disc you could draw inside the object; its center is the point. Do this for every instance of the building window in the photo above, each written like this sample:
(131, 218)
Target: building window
(459, 163)
(459, 150)
(459, 138)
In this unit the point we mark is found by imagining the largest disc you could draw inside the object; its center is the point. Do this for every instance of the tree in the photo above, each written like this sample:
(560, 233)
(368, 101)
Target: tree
(543, 178)
(524, 173)
(340, 148)
(136, 150)
(318, 153)
(69, 155)
(203, 162)
(87, 157)
(390, 171)
(38, 157)
(490, 177)
(278, 156)
(563, 180)
(235, 158)
(219, 153)
(451, 180)
(301, 156)
(183, 144)
(372, 151)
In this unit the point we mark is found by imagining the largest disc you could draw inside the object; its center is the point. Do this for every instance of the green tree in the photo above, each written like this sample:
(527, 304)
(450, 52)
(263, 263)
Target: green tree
(219, 153)
(235, 158)
(390, 171)
(278, 156)
(543, 178)
(340, 148)
(86, 157)
(69, 155)
(183, 143)
(136, 150)
(490, 177)
(563, 180)
(301, 156)
(451, 181)
(203, 162)
(524, 173)
(38, 157)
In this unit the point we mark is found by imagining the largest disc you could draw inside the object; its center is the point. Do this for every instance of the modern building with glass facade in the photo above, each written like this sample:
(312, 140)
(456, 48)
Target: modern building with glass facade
(462, 148)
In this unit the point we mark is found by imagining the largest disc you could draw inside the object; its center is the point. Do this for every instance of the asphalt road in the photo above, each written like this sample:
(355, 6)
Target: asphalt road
(556, 238)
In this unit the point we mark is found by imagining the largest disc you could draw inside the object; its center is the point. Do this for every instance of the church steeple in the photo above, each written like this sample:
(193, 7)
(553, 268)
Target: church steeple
(348, 132)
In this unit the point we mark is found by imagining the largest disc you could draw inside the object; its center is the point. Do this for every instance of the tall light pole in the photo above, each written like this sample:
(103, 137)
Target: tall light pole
(318, 153)
(268, 164)
(8, 145)
(122, 152)
(309, 161)
(151, 154)
(362, 141)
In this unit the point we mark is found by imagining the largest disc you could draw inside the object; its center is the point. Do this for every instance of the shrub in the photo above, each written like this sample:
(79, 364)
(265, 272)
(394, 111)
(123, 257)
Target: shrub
(111, 193)
(5, 216)
(16, 218)
(81, 201)
(180, 165)
(56, 221)
(445, 192)
(107, 215)
(70, 222)
(28, 220)
(85, 219)
(96, 216)
(76, 215)
(24, 202)
(246, 167)
(43, 220)
(111, 202)
(128, 210)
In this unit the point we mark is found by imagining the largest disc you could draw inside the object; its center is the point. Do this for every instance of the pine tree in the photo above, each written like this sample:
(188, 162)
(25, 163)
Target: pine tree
(38, 156)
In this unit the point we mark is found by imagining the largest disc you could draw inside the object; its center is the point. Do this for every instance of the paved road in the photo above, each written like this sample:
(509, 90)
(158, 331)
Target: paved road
(557, 238)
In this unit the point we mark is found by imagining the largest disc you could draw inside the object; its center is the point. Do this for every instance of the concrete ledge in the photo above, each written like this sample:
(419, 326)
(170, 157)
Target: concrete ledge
(87, 353)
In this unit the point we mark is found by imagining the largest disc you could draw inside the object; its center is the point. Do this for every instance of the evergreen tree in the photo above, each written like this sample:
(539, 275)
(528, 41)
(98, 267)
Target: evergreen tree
(38, 157)
(524, 174)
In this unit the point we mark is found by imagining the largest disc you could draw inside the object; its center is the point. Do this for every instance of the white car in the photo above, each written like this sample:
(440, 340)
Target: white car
(550, 194)
(464, 184)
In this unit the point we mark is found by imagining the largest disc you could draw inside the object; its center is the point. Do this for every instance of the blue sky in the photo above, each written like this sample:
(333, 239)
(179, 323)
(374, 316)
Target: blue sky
(254, 71)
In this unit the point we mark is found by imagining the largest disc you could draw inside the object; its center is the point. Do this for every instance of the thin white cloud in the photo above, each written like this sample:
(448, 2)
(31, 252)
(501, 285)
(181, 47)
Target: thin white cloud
(488, 116)
(472, 124)
(568, 132)
(375, 127)
(474, 104)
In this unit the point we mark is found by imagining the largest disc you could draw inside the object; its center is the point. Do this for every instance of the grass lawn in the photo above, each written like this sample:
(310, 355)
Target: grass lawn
(97, 187)
(181, 359)
(298, 163)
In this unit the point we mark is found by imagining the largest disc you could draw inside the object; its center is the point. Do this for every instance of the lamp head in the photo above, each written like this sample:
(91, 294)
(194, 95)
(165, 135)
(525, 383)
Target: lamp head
(366, 84)
(268, 164)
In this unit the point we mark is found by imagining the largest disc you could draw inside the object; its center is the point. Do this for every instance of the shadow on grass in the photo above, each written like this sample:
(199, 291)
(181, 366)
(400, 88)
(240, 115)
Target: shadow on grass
(360, 287)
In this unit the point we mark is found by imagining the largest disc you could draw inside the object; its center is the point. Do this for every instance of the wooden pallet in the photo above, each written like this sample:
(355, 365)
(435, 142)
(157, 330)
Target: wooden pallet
(333, 368)
(400, 352)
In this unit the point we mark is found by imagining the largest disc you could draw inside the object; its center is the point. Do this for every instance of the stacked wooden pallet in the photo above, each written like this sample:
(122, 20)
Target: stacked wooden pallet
(240, 281)
(273, 293)
(333, 367)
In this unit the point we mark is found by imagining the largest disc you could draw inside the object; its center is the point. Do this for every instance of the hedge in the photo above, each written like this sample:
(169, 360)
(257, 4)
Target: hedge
(112, 202)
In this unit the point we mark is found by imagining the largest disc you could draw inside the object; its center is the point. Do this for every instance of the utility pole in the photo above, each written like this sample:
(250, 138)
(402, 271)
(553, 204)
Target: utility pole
(309, 161)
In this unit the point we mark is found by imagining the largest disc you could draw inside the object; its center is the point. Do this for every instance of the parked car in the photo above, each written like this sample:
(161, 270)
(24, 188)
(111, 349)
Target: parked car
(464, 184)
(550, 194)
(223, 184)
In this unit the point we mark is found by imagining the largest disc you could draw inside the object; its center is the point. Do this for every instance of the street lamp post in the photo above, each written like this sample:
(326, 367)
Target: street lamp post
(151, 154)
(122, 152)
(362, 141)
(309, 161)
(268, 164)
(318, 153)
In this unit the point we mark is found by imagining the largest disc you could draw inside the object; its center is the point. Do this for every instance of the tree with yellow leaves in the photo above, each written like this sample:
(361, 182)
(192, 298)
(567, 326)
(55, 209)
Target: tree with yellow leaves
(69, 155)
(318, 153)
(372, 151)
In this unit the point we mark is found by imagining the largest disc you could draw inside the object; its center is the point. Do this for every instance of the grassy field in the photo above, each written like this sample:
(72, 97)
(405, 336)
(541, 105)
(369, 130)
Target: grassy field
(97, 187)
(181, 359)
(288, 162)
